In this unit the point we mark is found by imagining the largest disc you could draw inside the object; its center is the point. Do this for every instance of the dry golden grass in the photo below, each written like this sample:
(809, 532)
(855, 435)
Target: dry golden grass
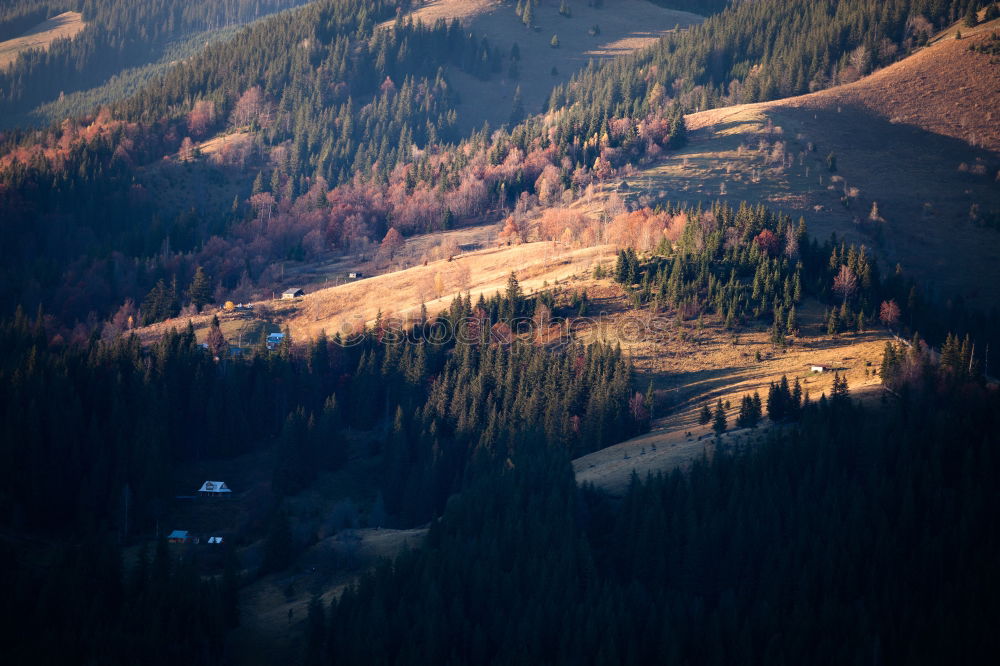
(400, 294)
(689, 366)
(944, 88)
(217, 143)
(63, 26)
(345, 307)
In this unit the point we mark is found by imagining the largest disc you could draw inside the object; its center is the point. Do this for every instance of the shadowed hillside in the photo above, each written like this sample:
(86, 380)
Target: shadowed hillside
(904, 160)
(623, 26)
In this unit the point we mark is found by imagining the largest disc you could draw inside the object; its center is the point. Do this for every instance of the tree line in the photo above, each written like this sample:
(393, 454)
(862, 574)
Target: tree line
(749, 263)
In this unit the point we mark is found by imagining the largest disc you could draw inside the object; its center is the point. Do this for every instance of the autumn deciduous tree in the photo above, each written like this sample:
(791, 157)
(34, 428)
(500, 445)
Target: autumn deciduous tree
(391, 244)
(252, 107)
(186, 152)
(201, 118)
(511, 232)
(602, 169)
(889, 313)
(845, 283)
(768, 242)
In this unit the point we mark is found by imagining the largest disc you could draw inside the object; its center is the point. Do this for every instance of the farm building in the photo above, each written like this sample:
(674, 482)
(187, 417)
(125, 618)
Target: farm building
(294, 292)
(214, 489)
(819, 368)
(354, 275)
(180, 536)
(274, 339)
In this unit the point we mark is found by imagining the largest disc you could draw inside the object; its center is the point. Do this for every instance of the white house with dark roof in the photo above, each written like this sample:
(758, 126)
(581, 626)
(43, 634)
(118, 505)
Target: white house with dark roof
(214, 489)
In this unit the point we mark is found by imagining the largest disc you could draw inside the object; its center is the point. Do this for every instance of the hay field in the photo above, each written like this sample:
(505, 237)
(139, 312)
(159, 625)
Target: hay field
(63, 26)
(690, 366)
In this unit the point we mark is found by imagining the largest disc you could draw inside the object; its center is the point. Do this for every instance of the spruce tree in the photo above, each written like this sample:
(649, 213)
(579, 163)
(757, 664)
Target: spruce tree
(972, 16)
(199, 289)
(705, 415)
(719, 418)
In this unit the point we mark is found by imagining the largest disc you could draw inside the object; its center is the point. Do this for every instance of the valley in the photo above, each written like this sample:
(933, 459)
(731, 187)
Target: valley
(519, 332)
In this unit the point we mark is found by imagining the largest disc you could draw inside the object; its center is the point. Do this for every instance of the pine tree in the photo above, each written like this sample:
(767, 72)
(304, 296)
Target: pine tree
(792, 324)
(833, 322)
(198, 291)
(758, 411)
(749, 415)
(517, 112)
(705, 415)
(971, 16)
(840, 393)
(719, 418)
(621, 267)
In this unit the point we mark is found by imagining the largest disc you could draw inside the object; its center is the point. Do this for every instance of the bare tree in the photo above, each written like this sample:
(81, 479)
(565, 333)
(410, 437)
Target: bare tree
(845, 283)
(889, 313)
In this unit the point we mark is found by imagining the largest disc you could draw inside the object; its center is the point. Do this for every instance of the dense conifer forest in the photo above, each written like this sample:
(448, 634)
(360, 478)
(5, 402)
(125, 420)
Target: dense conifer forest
(853, 536)
(106, 420)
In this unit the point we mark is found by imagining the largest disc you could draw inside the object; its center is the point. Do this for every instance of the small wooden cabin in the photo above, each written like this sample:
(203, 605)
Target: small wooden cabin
(214, 489)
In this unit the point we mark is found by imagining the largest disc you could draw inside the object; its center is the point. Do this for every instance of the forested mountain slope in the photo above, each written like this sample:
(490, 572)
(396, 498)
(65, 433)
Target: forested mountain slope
(904, 159)
(116, 35)
(585, 32)
(333, 151)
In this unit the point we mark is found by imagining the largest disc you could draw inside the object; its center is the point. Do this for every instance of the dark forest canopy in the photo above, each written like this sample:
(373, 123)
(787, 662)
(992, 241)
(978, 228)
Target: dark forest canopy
(96, 418)
(110, 419)
(853, 536)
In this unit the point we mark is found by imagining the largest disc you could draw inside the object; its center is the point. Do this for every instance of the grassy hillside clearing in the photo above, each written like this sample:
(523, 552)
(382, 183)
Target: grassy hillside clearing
(625, 26)
(63, 26)
(347, 306)
(267, 633)
(916, 158)
(690, 367)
